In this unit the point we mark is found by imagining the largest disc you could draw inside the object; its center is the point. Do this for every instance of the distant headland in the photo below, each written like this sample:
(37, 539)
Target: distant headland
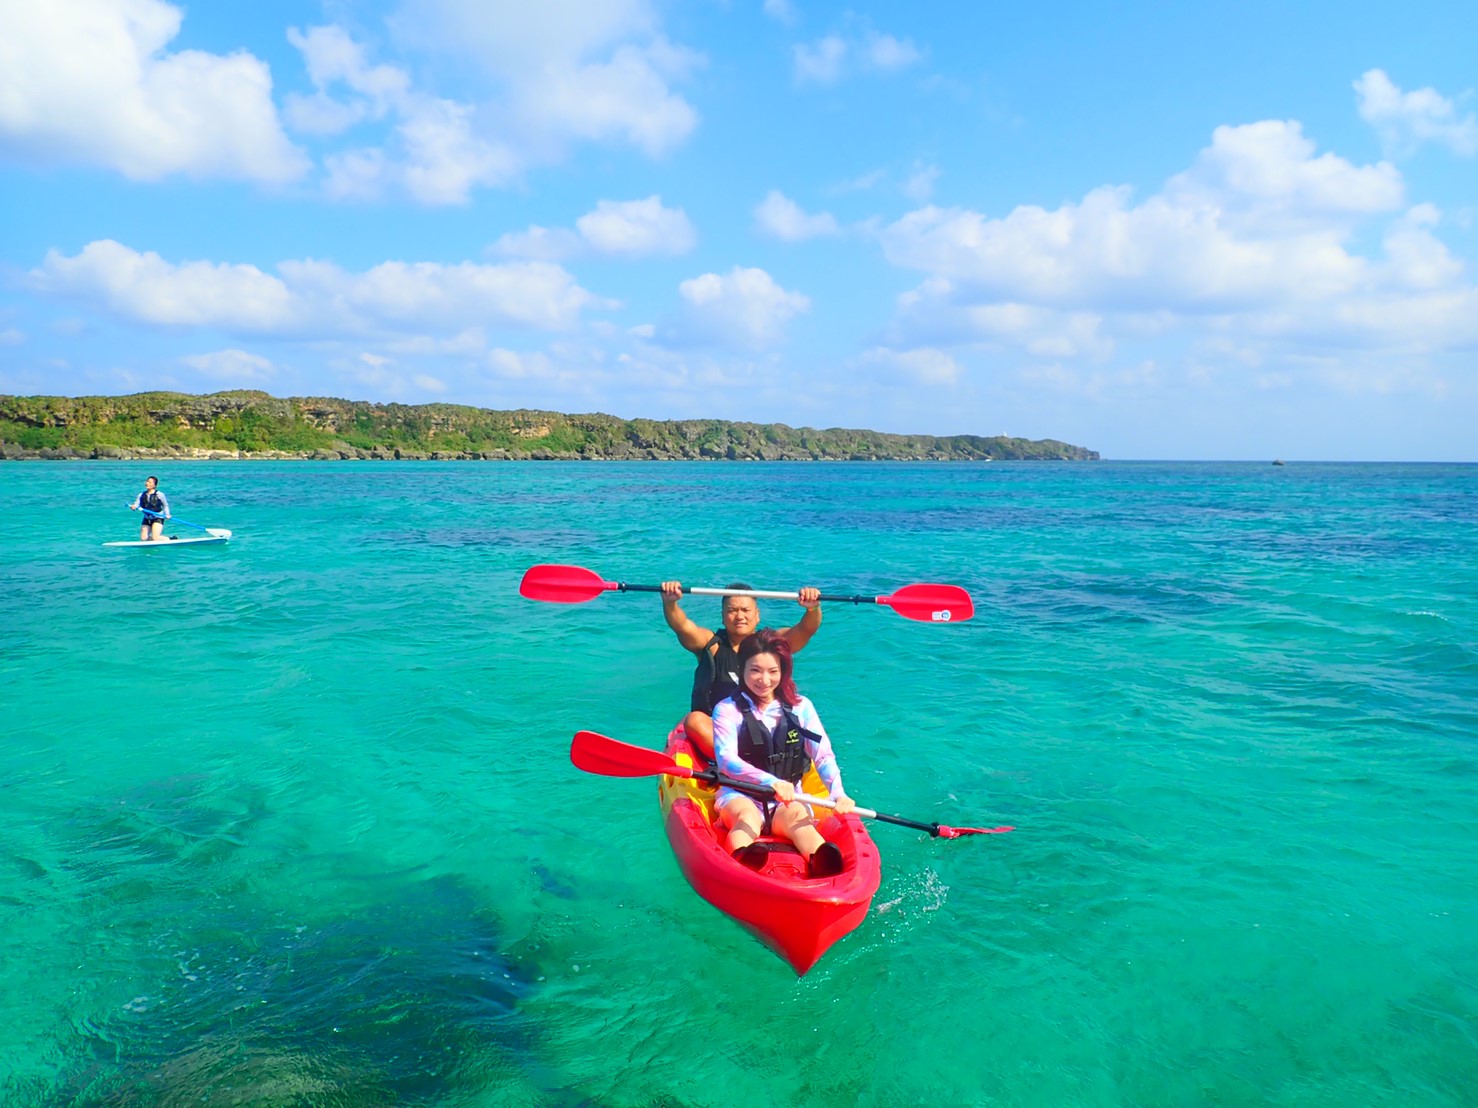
(251, 424)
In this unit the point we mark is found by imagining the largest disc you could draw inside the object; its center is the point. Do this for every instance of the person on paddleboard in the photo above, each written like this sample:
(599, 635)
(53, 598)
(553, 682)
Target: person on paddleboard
(717, 673)
(767, 734)
(155, 505)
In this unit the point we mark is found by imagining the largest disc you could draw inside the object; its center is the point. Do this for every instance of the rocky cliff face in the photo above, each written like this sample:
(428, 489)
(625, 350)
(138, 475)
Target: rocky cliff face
(256, 425)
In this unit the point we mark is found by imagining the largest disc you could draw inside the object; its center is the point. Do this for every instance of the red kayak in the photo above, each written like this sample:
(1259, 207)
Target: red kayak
(796, 916)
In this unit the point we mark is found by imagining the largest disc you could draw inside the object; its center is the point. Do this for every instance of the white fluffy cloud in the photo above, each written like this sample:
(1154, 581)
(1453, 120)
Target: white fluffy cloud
(625, 98)
(384, 377)
(781, 217)
(925, 365)
(146, 288)
(548, 244)
(333, 58)
(1266, 175)
(745, 308)
(1256, 219)
(781, 10)
(445, 158)
(572, 69)
(936, 312)
(515, 365)
(615, 228)
(1405, 120)
(635, 228)
(436, 150)
(312, 299)
(231, 365)
(91, 82)
(834, 56)
(545, 76)
(820, 62)
(918, 186)
(513, 37)
(885, 54)
(580, 373)
(1256, 239)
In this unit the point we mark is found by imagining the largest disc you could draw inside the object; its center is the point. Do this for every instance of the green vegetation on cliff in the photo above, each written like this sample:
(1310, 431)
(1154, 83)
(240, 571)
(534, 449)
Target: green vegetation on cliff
(249, 422)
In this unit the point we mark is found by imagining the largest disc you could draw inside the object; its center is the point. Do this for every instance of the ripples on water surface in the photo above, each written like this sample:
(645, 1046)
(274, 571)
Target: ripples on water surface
(292, 821)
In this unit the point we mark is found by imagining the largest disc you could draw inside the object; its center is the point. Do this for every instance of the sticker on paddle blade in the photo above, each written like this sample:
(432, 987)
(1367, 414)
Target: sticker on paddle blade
(940, 616)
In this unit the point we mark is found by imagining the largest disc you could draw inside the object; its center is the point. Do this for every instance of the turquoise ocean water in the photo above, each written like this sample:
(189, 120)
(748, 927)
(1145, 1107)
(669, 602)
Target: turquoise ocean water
(292, 821)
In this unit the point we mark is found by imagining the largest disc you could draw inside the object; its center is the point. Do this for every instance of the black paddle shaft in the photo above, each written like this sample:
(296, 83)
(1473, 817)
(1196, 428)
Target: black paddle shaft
(716, 778)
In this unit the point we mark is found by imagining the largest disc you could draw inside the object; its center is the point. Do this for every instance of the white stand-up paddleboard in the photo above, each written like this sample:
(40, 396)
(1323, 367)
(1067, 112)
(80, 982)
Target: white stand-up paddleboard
(212, 537)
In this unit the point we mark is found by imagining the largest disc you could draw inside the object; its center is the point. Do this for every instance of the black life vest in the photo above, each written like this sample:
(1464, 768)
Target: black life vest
(782, 751)
(150, 501)
(717, 674)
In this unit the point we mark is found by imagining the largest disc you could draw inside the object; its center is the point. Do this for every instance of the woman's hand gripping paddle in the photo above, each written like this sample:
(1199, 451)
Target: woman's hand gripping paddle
(595, 753)
(574, 585)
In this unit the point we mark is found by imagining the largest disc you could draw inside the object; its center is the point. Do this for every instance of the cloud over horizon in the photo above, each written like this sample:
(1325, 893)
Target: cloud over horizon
(1260, 230)
(312, 299)
(745, 308)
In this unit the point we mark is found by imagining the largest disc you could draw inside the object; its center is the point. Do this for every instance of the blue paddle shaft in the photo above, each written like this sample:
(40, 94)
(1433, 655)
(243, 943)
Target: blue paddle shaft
(173, 519)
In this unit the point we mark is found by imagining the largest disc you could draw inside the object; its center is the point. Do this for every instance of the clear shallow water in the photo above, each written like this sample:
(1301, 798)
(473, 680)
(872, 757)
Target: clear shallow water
(292, 821)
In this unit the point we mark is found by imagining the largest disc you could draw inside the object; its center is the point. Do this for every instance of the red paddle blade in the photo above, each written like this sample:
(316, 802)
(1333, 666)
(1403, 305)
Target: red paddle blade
(931, 603)
(562, 584)
(596, 753)
(957, 832)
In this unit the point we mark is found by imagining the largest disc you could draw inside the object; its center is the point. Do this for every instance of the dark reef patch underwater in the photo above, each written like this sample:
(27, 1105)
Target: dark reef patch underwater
(371, 988)
(409, 1001)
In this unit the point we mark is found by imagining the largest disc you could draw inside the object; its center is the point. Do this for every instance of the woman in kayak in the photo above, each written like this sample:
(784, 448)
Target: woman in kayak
(155, 508)
(766, 734)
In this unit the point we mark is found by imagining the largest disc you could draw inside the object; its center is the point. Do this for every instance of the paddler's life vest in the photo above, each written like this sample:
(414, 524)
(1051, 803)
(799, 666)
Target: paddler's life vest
(782, 751)
(717, 674)
(150, 501)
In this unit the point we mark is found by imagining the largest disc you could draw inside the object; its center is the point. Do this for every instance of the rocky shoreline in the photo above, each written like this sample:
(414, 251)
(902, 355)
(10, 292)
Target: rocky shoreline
(15, 453)
(252, 425)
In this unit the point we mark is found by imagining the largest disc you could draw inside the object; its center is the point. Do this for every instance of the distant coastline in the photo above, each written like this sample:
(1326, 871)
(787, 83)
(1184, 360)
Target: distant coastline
(255, 425)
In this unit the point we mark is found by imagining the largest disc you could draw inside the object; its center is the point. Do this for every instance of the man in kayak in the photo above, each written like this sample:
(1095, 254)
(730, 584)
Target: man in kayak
(155, 507)
(717, 673)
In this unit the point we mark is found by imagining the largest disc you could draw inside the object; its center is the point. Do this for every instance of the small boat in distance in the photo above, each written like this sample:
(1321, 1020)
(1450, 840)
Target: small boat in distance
(1279, 462)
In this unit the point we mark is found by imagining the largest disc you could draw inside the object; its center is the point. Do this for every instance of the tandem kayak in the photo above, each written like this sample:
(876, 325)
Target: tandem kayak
(796, 916)
(214, 536)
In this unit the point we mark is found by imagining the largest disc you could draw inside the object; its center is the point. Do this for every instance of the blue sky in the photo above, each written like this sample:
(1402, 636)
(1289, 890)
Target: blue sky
(1197, 231)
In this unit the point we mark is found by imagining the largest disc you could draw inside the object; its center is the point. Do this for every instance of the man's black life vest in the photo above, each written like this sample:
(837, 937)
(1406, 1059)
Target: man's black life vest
(782, 751)
(717, 674)
(150, 501)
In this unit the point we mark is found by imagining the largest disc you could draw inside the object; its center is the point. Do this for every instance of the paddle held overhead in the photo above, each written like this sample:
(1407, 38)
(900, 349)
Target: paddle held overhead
(560, 584)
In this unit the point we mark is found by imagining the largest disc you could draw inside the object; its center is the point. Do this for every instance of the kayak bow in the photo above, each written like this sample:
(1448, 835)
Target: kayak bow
(796, 916)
